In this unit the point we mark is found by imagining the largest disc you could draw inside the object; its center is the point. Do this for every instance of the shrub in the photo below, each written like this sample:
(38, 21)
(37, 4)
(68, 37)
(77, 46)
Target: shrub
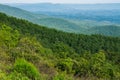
(2, 75)
(62, 76)
(26, 68)
(8, 36)
(65, 65)
(17, 76)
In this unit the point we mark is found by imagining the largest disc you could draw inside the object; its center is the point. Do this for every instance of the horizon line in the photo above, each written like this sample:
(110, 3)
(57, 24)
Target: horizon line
(57, 3)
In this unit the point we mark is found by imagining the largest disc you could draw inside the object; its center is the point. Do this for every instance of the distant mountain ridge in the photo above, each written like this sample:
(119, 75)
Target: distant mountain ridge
(64, 24)
(39, 19)
(34, 6)
(97, 12)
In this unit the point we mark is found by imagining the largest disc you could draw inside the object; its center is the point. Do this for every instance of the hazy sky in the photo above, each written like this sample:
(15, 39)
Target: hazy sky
(60, 1)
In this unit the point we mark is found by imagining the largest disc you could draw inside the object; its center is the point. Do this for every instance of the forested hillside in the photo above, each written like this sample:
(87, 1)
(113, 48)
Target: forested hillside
(32, 52)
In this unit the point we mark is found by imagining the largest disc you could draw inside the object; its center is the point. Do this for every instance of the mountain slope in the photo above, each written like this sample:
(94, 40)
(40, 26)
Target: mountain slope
(19, 13)
(34, 7)
(32, 52)
(51, 36)
(106, 30)
(97, 12)
(44, 20)
(67, 25)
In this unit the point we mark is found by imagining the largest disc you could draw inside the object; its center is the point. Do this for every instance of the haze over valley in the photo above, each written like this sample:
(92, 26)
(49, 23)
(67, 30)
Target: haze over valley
(75, 18)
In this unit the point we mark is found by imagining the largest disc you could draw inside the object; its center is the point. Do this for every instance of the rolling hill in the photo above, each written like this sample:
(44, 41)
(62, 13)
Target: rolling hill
(97, 12)
(64, 24)
(106, 30)
(44, 20)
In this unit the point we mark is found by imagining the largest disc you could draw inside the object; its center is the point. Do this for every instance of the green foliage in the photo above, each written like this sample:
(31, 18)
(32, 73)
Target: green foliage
(96, 65)
(26, 68)
(17, 76)
(92, 57)
(8, 36)
(81, 67)
(65, 65)
(61, 76)
(61, 47)
(13, 76)
(99, 57)
(62, 50)
(98, 61)
(48, 37)
(2, 76)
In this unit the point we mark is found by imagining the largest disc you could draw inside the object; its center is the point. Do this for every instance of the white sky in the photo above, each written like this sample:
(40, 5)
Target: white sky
(60, 1)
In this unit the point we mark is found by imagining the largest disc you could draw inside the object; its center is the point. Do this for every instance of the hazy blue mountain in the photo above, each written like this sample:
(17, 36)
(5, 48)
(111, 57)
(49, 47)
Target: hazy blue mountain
(54, 7)
(97, 12)
(51, 22)
(66, 22)
(12, 11)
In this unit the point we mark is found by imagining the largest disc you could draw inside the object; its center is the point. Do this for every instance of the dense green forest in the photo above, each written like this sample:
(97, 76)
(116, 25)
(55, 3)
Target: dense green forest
(33, 52)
